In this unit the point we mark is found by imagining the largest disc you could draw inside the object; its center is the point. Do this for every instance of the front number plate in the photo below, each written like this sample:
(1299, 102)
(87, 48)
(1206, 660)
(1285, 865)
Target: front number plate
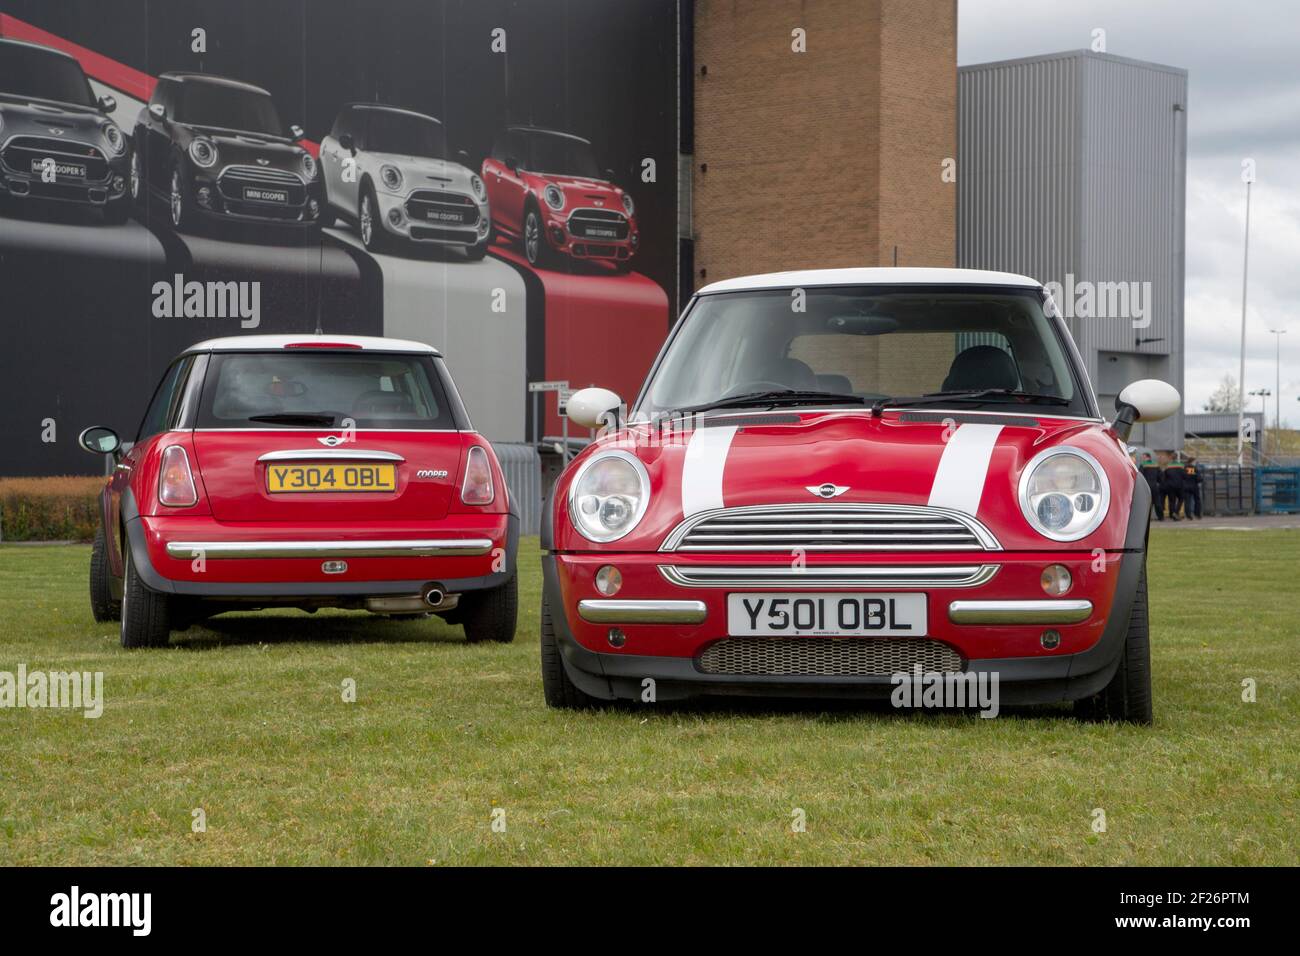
(826, 615)
(296, 479)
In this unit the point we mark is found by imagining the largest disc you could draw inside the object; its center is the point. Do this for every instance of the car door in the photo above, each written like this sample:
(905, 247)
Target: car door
(505, 186)
(333, 157)
(157, 137)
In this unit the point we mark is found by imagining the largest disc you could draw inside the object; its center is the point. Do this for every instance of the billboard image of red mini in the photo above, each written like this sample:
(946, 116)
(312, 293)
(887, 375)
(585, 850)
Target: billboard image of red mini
(547, 191)
(910, 471)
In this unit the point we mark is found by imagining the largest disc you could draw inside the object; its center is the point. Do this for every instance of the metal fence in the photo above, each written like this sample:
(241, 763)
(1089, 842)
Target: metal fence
(523, 470)
(1228, 491)
(1277, 490)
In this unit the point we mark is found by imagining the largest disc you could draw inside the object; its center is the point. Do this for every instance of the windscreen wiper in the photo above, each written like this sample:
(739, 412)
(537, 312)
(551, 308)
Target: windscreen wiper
(773, 397)
(306, 419)
(966, 395)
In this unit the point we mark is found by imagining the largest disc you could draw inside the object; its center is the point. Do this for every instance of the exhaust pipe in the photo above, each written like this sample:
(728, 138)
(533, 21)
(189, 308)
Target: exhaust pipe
(434, 597)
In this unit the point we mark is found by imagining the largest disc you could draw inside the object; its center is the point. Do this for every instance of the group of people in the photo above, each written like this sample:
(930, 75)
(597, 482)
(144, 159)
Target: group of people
(1175, 484)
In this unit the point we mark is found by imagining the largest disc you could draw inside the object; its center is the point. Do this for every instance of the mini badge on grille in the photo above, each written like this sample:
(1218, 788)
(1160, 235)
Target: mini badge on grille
(828, 490)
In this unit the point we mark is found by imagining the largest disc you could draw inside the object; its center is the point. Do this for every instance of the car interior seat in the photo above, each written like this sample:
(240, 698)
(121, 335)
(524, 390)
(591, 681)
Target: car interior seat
(981, 367)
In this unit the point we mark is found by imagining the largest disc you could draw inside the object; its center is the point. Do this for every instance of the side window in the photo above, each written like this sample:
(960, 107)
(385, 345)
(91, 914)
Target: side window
(158, 417)
(358, 126)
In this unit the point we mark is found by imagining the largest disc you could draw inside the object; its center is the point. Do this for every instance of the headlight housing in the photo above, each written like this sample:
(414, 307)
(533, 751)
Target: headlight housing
(627, 204)
(391, 177)
(1064, 493)
(308, 166)
(554, 197)
(114, 138)
(476, 184)
(609, 496)
(203, 152)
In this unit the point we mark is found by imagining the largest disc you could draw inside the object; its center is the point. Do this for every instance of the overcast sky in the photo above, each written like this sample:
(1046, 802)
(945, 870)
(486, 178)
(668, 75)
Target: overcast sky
(1243, 64)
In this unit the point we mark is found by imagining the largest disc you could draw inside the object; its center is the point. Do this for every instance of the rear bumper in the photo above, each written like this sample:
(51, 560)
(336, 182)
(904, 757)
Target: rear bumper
(993, 632)
(475, 552)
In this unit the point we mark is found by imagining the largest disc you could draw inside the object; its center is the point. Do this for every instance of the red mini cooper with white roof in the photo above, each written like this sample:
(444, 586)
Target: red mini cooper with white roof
(834, 478)
(303, 471)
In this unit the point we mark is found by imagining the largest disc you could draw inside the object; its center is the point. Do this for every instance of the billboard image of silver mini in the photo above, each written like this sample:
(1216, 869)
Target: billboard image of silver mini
(216, 148)
(56, 140)
(390, 173)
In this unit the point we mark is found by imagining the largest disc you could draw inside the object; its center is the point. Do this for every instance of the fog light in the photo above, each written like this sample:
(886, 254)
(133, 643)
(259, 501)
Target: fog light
(1050, 640)
(1056, 579)
(484, 224)
(118, 184)
(616, 637)
(557, 235)
(608, 580)
(204, 195)
(395, 216)
(314, 208)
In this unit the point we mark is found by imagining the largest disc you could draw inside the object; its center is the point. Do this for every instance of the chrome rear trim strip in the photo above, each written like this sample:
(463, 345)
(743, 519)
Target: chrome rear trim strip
(330, 454)
(252, 550)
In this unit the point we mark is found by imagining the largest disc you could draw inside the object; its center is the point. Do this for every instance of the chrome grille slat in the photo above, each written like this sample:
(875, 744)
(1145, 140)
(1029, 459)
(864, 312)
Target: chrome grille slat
(830, 527)
(280, 177)
(826, 657)
(820, 576)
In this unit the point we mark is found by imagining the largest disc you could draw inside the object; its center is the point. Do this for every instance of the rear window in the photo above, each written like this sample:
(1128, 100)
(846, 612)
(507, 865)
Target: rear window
(322, 390)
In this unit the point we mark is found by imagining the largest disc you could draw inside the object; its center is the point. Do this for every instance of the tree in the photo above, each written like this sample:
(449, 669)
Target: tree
(1225, 398)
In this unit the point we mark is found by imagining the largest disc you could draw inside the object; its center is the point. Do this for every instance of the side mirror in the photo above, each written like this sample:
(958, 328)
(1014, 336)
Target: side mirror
(463, 156)
(609, 175)
(589, 407)
(347, 142)
(297, 131)
(1148, 400)
(512, 163)
(99, 440)
(107, 103)
(157, 110)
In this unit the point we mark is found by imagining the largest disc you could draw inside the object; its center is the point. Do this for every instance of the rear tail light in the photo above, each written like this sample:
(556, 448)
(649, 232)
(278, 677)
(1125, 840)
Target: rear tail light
(476, 489)
(176, 481)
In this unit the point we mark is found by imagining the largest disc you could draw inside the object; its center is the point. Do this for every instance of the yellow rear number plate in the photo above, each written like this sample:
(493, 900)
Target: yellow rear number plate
(282, 479)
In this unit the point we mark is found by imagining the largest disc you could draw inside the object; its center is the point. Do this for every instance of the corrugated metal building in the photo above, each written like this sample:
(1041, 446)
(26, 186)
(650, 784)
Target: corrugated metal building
(1071, 168)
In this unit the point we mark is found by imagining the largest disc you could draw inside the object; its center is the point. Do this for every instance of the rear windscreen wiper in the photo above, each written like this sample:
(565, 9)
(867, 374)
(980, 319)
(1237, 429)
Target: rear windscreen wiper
(306, 419)
(774, 397)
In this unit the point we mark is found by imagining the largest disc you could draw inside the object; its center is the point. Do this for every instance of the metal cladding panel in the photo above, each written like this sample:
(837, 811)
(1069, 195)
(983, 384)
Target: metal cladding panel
(1074, 165)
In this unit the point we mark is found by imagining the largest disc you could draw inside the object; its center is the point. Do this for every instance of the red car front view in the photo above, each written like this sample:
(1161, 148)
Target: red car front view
(303, 471)
(834, 478)
(546, 190)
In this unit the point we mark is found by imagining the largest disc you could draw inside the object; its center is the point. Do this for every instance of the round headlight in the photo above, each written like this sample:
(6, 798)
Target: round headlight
(308, 166)
(627, 204)
(114, 138)
(1064, 493)
(203, 152)
(554, 197)
(608, 496)
(392, 177)
(476, 184)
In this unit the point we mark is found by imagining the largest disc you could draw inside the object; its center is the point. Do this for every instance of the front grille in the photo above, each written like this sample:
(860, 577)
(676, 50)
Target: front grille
(442, 209)
(830, 527)
(21, 151)
(826, 656)
(235, 179)
(599, 224)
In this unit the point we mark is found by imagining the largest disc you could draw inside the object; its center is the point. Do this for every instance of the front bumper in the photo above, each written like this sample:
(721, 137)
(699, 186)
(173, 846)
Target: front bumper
(218, 196)
(995, 625)
(398, 216)
(22, 183)
(203, 558)
(568, 237)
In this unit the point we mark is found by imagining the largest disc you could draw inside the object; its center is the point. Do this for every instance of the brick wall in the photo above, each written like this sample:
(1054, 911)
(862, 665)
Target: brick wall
(829, 157)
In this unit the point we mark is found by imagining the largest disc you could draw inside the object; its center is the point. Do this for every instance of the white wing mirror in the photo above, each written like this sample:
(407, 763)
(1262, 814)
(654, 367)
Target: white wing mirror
(590, 407)
(1148, 400)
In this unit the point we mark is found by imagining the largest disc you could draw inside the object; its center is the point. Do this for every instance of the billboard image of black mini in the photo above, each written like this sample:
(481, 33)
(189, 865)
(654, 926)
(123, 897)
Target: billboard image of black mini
(392, 174)
(56, 140)
(215, 149)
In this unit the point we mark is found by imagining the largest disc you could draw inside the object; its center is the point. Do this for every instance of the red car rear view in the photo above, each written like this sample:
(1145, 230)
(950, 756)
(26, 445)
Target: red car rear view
(309, 472)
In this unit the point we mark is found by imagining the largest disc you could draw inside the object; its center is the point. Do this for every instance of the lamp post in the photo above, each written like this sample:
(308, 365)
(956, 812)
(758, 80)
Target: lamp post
(1277, 385)
(1248, 176)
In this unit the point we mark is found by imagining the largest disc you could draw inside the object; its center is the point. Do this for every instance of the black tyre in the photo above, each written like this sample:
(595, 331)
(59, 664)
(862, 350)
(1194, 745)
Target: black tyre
(368, 225)
(558, 690)
(146, 615)
(102, 604)
(536, 250)
(1127, 698)
(179, 203)
(491, 615)
(137, 185)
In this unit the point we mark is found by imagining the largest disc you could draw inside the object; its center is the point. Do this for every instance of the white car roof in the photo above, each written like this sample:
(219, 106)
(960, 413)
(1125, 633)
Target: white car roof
(885, 276)
(262, 343)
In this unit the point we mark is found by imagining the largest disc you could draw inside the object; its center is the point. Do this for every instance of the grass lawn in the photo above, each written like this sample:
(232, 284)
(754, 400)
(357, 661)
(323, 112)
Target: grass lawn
(245, 720)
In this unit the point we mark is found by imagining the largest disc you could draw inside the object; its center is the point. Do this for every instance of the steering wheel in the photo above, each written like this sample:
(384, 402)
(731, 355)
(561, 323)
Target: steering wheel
(760, 386)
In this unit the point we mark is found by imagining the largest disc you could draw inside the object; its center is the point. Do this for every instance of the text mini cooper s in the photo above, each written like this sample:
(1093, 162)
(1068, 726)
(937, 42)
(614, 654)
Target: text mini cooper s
(835, 477)
(306, 472)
